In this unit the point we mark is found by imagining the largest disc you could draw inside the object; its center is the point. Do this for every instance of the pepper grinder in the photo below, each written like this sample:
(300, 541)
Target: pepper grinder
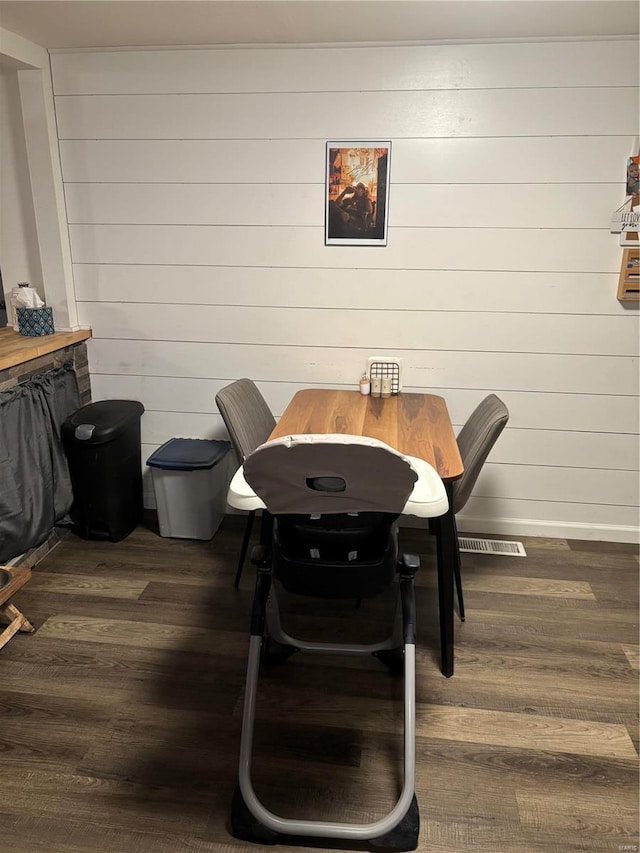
(376, 386)
(386, 386)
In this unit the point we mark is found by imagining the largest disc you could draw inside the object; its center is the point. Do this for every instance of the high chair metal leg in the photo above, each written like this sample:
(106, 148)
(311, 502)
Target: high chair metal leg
(250, 820)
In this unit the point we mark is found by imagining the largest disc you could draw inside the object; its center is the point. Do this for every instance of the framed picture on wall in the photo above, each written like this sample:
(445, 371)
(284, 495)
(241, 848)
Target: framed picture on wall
(357, 193)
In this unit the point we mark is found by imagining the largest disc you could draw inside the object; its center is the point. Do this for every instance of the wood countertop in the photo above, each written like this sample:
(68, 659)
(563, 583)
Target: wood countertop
(17, 349)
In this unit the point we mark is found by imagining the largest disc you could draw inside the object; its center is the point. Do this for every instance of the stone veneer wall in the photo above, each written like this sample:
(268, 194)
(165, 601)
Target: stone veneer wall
(12, 376)
(76, 353)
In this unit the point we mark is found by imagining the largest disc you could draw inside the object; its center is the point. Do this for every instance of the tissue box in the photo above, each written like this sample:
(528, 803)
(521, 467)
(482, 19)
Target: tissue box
(35, 321)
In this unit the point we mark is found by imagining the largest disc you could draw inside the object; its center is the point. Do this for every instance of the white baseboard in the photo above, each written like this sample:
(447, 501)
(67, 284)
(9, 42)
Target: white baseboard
(545, 528)
(554, 529)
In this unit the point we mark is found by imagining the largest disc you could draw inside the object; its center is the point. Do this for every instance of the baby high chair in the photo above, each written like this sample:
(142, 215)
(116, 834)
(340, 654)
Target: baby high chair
(333, 501)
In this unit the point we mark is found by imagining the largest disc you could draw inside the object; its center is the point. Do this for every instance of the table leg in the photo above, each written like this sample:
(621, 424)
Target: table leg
(446, 549)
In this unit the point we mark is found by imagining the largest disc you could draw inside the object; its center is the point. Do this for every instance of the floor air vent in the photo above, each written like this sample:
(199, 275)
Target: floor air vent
(491, 546)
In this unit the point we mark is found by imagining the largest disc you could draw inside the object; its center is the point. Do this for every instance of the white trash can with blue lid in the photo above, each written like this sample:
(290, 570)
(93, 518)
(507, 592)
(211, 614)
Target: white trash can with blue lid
(190, 480)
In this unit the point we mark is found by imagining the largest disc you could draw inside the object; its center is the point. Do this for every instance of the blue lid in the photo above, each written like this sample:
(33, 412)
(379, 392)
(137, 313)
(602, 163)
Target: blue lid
(188, 454)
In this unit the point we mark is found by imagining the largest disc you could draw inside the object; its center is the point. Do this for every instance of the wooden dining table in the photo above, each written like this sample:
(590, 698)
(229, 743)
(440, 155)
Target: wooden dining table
(414, 424)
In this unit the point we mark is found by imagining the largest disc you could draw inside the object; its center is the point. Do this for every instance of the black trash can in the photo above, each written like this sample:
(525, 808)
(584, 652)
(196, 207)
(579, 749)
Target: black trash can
(102, 443)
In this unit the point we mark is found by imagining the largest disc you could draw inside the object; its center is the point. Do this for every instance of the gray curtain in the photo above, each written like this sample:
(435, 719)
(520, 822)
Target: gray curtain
(35, 487)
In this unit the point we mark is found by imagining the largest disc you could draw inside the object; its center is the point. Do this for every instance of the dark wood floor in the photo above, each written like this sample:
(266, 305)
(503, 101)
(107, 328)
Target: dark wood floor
(120, 716)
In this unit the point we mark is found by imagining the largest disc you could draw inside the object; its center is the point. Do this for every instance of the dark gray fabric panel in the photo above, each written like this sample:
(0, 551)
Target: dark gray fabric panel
(376, 480)
(35, 489)
(62, 398)
(475, 440)
(246, 415)
(26, 475)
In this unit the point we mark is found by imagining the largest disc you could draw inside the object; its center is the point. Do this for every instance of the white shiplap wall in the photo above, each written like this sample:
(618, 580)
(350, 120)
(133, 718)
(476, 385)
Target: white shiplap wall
(20, 260)
(194, 191)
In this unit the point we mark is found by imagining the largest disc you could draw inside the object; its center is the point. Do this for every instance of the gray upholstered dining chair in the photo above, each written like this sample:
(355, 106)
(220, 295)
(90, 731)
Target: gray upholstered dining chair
(249, 422)
(475, 441)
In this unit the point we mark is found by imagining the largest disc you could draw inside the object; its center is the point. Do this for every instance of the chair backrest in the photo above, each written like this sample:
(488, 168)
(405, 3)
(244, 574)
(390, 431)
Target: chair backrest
(475, 440)
(246, 415)
(329, 474)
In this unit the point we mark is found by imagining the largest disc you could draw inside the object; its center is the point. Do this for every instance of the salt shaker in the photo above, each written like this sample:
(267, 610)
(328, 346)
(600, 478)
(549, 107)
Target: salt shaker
(376, 386)
(365, 385)
(386, 386)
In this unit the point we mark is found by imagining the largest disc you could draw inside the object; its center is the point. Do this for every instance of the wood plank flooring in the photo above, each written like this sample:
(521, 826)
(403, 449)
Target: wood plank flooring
(120, 716)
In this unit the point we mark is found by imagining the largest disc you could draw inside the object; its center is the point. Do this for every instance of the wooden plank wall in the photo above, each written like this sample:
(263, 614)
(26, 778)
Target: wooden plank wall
(194, 192)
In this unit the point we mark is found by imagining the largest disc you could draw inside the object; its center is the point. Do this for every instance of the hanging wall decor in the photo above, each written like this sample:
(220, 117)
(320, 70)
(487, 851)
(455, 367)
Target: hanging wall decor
(626, 219)
(357, 193)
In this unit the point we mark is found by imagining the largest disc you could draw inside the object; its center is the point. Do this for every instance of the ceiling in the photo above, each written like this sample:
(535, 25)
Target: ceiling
(120, 23)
